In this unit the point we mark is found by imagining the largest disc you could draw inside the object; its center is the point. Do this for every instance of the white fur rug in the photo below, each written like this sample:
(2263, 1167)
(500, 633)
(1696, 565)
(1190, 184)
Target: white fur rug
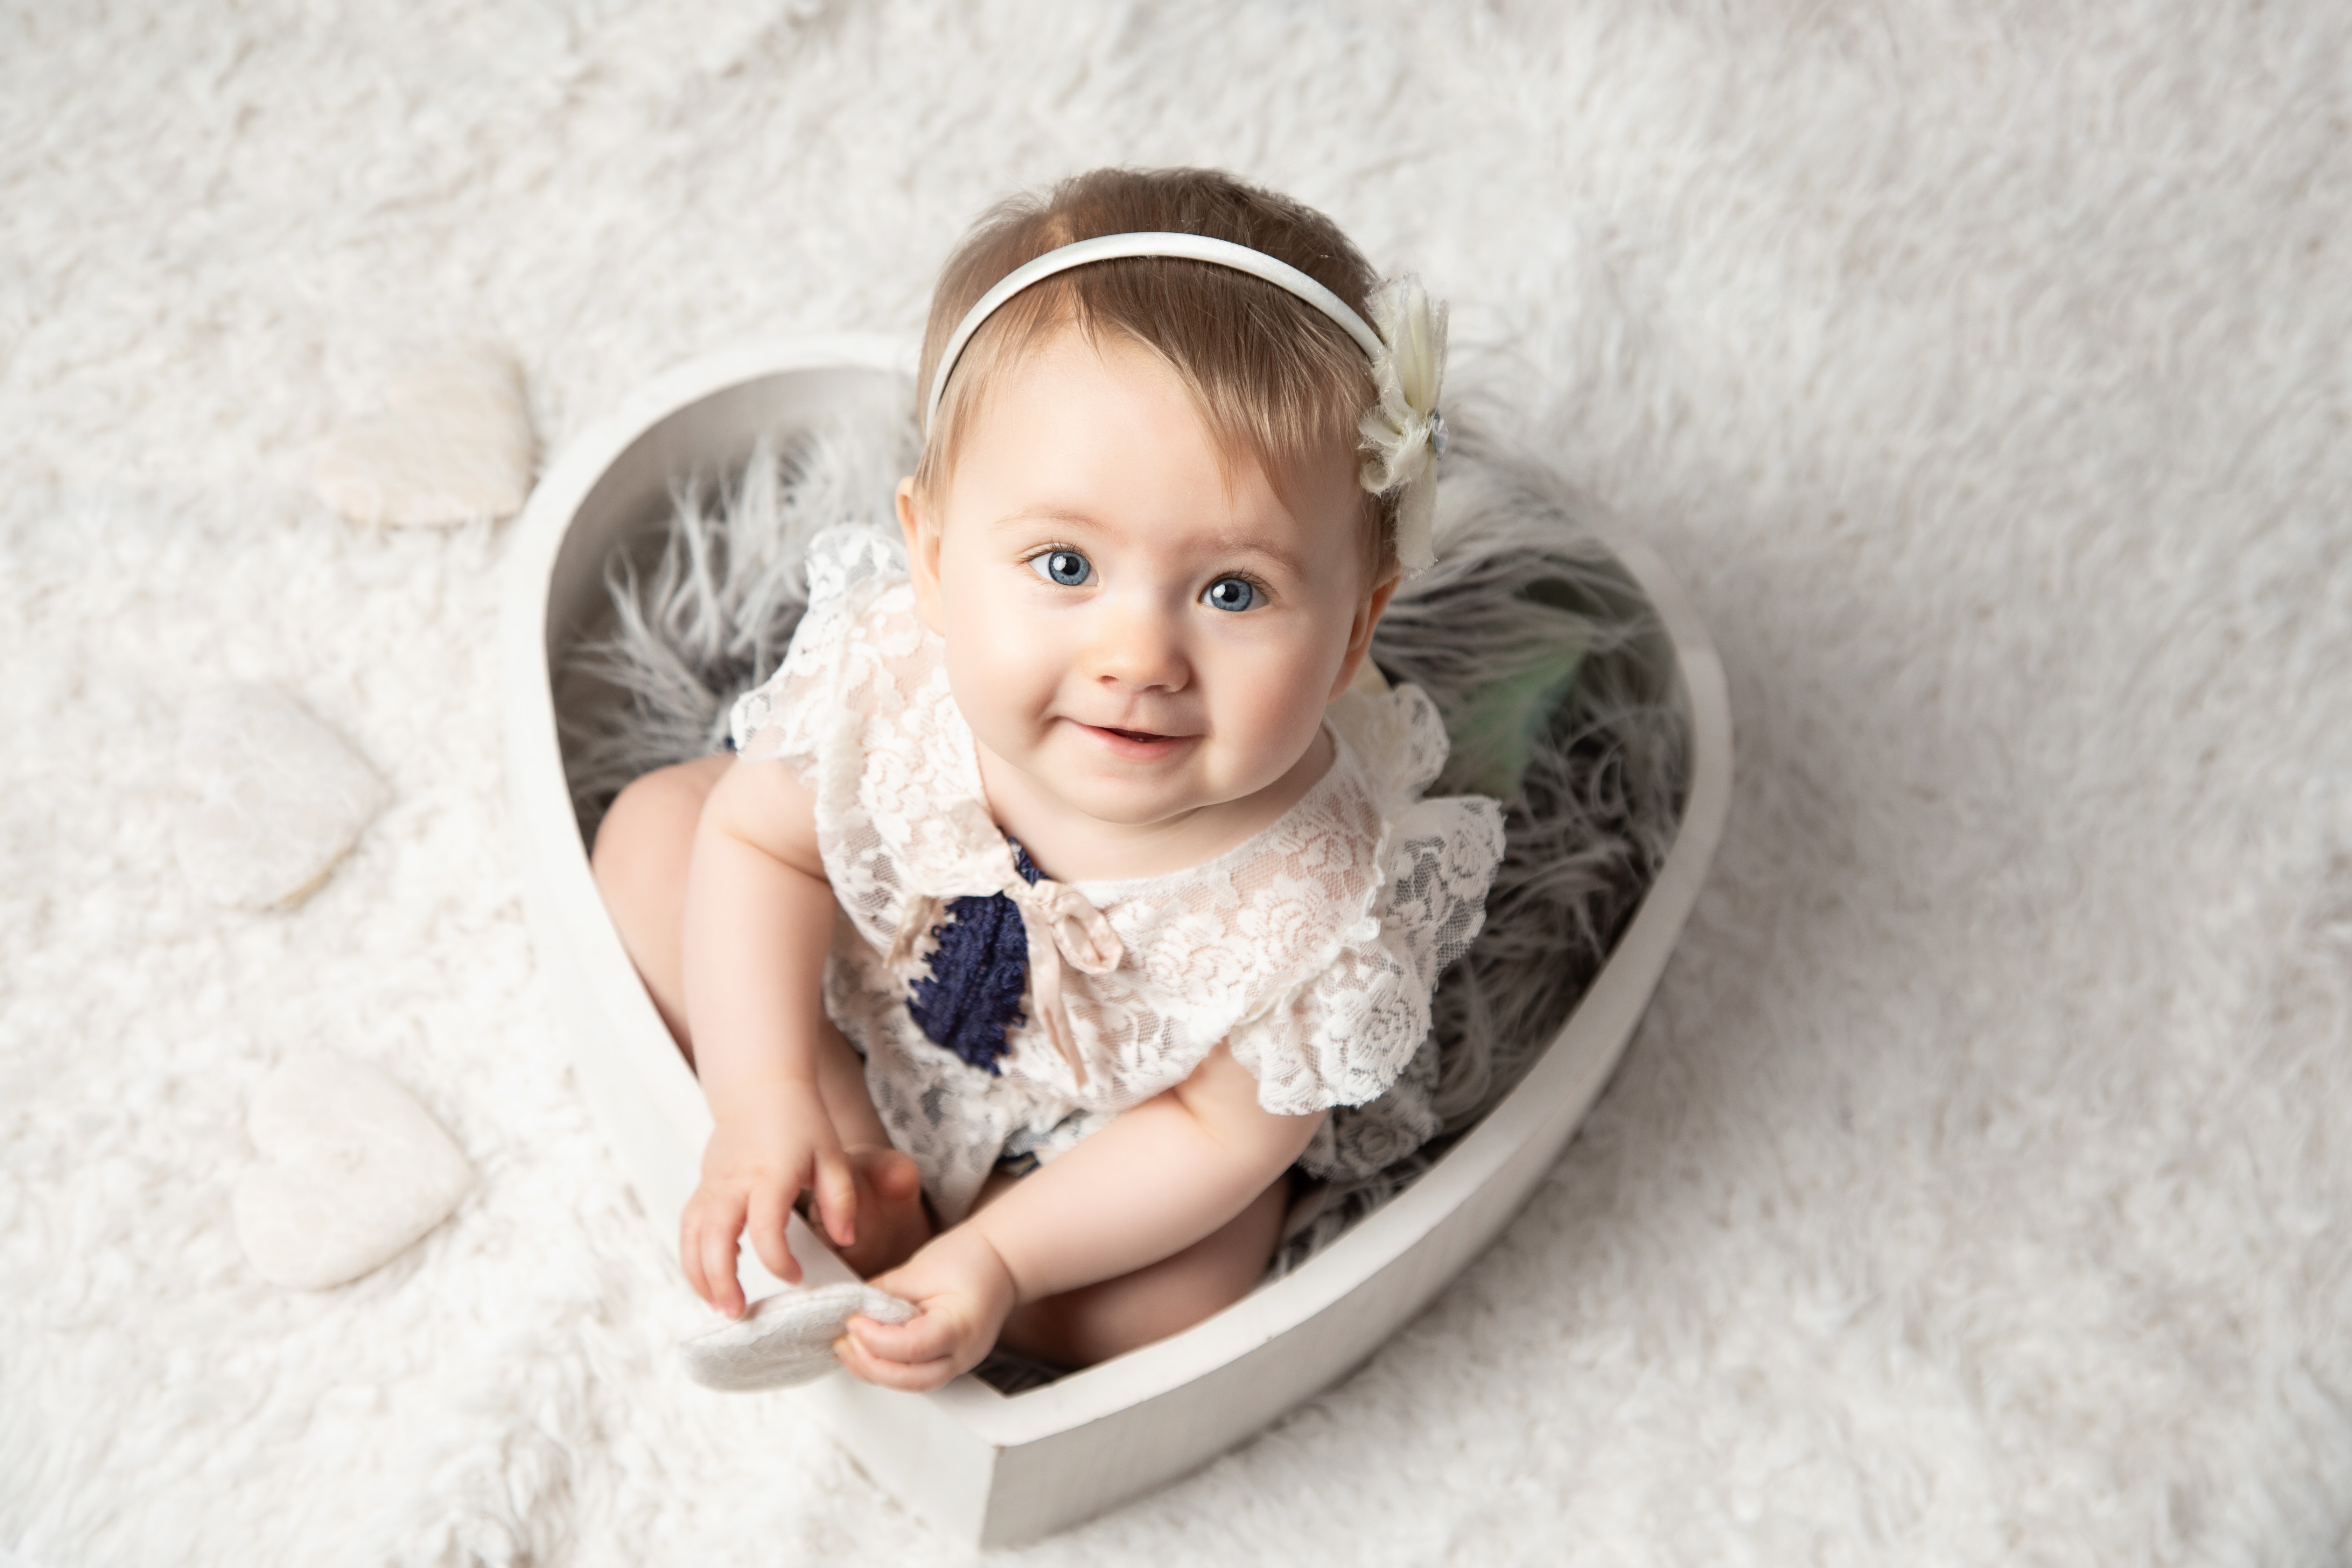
(1975, 1191)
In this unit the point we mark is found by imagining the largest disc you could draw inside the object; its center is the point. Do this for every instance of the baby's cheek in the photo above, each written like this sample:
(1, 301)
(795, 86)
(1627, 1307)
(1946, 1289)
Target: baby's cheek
(1282, 711)
(1000, 686)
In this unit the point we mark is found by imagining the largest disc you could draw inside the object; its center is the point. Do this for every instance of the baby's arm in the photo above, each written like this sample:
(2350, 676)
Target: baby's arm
(759, 920)
(1160, 1177)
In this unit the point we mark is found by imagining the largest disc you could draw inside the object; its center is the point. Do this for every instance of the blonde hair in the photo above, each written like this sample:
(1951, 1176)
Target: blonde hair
(1271, 376)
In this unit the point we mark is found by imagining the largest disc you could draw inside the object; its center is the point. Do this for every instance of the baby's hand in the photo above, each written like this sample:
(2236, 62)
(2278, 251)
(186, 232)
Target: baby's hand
(772, 1142)
(964, 1293)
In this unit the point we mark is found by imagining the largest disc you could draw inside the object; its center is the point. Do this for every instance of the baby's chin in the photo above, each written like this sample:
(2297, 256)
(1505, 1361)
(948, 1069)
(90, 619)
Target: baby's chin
(1144, 796)
(1147, 791)
(1137, 807)
(1140, 786)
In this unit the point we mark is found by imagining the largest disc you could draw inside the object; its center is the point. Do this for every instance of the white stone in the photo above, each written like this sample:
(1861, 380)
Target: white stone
(276, 797)
(785, 1339)
(454, 443)
(352, 1171)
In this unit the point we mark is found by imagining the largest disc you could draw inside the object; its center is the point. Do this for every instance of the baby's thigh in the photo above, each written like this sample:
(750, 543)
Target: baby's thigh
(1094, 1323)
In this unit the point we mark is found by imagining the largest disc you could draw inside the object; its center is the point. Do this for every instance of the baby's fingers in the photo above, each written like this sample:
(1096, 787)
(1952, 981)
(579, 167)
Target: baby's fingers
(707, 1250)
(909, 1377)
(725, 1291)
(769, 1213)
(927, 1336)
(836, 1197)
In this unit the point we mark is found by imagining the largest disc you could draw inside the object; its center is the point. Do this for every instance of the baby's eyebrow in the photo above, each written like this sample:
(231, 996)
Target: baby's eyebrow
(1029, 514)
(1280, 557)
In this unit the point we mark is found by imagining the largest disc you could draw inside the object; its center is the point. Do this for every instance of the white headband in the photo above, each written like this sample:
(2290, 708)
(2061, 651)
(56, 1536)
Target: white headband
(1404, 430)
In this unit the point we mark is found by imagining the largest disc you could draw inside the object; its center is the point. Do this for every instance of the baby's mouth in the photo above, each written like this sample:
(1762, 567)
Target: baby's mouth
(1141, 742)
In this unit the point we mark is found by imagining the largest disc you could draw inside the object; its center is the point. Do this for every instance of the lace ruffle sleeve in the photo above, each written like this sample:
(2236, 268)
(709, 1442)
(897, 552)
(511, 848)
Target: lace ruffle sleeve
(788, 717)
(1347, 1035)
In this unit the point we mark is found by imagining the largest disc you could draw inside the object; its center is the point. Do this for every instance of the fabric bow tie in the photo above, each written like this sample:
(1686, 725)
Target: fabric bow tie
(1062, 925)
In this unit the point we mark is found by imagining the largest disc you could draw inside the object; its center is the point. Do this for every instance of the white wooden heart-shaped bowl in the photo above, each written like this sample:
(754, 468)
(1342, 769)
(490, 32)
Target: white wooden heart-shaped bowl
(991, 1469)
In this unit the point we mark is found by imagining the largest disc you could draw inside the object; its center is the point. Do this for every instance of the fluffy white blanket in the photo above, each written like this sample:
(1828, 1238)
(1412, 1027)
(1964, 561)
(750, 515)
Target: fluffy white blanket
(1971, 1193)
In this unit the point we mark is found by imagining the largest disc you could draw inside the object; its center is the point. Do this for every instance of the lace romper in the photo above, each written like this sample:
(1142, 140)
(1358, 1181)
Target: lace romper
(1312, 947)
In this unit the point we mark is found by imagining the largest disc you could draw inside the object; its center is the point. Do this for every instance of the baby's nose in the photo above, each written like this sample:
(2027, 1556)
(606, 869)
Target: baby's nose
(1138, 645)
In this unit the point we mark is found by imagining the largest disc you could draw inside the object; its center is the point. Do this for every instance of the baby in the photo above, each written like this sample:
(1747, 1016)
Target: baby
(1060, 884)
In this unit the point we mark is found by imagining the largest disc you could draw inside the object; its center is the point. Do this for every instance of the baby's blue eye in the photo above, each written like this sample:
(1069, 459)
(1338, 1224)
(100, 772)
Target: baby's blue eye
(1230, 593)
(1067, 567)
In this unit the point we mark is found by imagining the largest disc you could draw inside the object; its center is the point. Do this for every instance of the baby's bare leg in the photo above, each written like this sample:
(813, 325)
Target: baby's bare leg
(640, 859)
(1082, 1327)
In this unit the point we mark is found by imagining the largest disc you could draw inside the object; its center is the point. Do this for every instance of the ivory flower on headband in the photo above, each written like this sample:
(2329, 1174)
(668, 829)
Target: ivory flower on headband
(1405, 430)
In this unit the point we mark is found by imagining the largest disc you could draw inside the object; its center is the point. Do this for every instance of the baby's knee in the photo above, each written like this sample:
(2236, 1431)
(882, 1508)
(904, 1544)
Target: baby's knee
(647, 835)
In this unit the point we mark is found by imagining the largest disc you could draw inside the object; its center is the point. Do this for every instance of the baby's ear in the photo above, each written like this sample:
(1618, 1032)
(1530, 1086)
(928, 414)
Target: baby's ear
(1360, 636)
(918, 523)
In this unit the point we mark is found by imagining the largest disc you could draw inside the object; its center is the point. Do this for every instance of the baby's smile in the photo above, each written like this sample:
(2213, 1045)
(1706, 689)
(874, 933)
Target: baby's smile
(1141, 745)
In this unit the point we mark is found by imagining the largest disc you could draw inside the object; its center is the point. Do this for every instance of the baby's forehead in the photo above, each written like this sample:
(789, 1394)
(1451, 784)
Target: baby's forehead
(1068, 370)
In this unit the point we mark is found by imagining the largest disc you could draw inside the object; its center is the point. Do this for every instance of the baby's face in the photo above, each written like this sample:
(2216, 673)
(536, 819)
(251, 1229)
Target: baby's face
(1141, 629)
